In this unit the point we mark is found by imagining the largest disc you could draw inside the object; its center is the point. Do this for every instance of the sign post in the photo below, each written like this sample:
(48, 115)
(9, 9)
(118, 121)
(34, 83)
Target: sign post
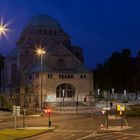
(16, 112)
(105, 111)
(121, 109)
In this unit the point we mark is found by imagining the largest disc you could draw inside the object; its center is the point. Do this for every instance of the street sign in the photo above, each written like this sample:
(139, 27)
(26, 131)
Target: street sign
(106, 108)
(16, 110)
(120, 108)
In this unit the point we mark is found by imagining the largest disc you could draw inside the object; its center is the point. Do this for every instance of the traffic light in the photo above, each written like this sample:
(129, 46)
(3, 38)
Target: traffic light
(48, 111)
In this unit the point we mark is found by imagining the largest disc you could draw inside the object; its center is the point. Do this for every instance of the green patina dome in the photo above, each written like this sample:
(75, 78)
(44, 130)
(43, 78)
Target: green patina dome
(43, 20)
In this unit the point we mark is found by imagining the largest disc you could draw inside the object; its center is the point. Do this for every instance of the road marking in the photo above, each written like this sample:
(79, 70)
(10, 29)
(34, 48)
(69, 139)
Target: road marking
(72, 135)
(110, 136)
(76, 131)
(88, 136)
(101, 137)
(136, 139)
(125, 138)
(127, 134)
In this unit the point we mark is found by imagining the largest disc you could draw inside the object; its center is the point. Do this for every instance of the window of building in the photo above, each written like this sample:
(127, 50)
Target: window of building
(40, 31)
(54, 32)
(30, 77)
(26, 51)
(83, 76)
(60, 62)
(13, 73)
(65, 90)
(50, 31)
(50, 76)
(65, 76)
(37, 75)
(45, 31)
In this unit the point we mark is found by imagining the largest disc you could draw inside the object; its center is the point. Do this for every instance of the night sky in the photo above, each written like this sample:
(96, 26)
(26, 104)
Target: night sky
(100, 27)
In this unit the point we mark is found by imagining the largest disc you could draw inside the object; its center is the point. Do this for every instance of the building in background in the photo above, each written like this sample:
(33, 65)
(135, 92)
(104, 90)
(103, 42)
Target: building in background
(62, 76)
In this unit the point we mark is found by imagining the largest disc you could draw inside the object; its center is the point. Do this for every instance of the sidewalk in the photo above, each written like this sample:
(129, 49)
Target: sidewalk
(113, 128)
(34, 128)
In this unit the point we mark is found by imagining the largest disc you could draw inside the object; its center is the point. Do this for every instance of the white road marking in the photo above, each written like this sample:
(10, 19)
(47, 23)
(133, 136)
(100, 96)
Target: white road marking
(72, 135)
(85, 137)
(76, 131)
(128, 134)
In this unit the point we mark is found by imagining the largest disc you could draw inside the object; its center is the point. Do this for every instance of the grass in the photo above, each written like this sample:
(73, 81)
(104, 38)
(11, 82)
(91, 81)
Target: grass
(12, 134)
(134, 111)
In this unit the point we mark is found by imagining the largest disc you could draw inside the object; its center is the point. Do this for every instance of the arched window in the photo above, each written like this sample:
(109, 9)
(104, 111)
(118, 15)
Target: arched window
(13, 73)
(65, 90)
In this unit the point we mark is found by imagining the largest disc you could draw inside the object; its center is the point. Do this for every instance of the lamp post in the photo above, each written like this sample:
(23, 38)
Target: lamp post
(77, 103)
(63, 91)
(40, 52)
(98, 93)
(125, 95)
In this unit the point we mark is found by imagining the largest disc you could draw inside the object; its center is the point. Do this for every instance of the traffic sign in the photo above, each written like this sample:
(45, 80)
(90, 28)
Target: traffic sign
(106, 108)
(16, 110)
(120, 108)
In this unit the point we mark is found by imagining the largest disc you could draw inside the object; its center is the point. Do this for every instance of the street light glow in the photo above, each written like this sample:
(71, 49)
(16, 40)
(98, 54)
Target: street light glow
(3, 29)
(40, 51)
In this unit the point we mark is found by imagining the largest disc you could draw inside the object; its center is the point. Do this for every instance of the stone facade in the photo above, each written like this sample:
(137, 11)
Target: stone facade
(61, 76)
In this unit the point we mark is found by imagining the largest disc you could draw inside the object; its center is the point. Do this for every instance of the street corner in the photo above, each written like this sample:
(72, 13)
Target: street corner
(104, 129)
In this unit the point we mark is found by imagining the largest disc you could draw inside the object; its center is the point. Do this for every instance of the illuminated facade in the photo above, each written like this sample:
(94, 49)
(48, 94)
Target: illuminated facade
(63, 75)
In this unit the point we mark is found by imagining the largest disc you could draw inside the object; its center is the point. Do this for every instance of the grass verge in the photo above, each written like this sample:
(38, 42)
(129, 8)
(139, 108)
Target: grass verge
(134, 111)
(13, 134)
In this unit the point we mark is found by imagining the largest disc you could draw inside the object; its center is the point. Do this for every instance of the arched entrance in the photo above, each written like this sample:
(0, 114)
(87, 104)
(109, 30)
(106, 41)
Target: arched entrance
(65, 90)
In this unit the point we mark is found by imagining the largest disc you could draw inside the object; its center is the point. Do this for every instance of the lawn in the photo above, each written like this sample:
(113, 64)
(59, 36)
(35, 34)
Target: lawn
(12, 134)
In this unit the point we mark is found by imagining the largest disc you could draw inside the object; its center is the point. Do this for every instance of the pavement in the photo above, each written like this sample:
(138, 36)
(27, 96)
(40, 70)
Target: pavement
(35, 128)
(113, 128)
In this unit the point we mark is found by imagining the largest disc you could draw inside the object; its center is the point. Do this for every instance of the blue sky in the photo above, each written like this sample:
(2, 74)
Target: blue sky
(100, 27)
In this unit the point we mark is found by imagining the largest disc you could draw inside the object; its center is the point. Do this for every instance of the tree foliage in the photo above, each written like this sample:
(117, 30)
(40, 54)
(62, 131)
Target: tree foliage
(1, 64)
(120, 71)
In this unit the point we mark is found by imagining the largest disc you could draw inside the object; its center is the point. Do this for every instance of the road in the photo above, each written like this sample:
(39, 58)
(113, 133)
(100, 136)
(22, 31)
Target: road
(74, 127)
(84, 135)
(113, 136)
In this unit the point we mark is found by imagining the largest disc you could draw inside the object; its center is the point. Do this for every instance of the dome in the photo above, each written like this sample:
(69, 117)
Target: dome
(12, 53)
(44, 21)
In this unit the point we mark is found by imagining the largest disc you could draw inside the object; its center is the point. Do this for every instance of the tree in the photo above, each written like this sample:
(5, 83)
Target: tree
(1, 64)
(119, 71)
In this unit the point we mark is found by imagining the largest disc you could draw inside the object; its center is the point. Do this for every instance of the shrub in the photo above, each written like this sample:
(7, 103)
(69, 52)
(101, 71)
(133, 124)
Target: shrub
(134, 111)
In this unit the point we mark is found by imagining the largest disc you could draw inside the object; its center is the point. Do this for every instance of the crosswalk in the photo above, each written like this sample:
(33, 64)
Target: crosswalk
(114, 136)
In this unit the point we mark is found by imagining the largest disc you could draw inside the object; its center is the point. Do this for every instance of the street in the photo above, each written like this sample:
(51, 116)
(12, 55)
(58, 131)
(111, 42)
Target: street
(74, 127)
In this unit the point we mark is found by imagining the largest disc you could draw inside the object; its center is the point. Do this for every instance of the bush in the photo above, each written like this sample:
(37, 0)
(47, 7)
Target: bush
(125, 101)
(5, 109)
(134, 111)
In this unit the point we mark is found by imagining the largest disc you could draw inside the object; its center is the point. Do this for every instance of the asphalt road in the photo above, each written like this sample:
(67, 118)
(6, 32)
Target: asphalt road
(74, 127)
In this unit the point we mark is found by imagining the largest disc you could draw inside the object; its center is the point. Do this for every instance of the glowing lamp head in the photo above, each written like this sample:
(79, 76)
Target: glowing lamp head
(40, 51)
(48, 110)
(3, 28)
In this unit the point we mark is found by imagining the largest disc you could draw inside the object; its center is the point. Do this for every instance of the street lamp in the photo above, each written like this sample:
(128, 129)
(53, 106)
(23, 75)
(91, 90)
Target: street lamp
(125, 96)
(3, 29)
(98, 93)
(77, 103)
(112, 95)
(40, 52)
(63, 91)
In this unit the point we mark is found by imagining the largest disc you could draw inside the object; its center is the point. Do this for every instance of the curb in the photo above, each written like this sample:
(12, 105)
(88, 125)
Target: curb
(35, 134)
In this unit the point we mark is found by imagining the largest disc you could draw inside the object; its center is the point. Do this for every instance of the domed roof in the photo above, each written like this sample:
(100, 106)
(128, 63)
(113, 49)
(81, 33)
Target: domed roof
(12, 53)
(44, 20)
